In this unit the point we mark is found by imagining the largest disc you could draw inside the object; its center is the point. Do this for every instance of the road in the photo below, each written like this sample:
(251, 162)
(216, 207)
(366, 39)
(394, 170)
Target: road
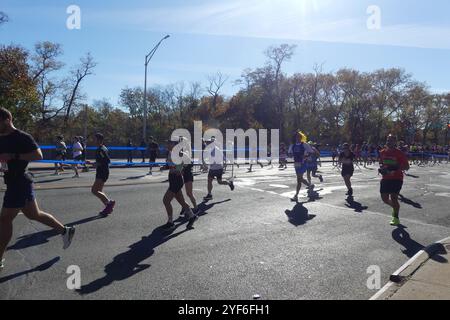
(250, 241)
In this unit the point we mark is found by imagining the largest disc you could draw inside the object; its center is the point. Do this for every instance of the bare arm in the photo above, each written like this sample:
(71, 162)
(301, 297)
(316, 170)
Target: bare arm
(35, 155)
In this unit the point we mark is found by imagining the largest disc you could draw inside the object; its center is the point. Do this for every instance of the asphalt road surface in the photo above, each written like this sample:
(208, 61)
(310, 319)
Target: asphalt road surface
(250, 241)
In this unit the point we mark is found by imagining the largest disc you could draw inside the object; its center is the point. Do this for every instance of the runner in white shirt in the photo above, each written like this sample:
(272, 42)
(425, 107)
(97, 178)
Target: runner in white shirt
(216, 171)
(77, 152)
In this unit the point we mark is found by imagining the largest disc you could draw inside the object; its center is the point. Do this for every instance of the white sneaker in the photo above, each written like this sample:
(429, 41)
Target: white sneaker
(2, 264)
(188, 213)
(67, 237)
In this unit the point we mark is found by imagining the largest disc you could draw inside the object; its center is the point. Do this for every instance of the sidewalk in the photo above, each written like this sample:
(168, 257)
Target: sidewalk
(425, 277)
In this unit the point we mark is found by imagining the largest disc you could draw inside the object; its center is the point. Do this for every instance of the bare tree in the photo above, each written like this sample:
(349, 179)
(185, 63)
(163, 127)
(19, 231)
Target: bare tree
(82, 71)
(45, 61)
(216, 82)
(277, 56)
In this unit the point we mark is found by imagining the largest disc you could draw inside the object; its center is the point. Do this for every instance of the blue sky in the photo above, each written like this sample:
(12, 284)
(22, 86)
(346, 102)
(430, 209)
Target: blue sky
(230, 35)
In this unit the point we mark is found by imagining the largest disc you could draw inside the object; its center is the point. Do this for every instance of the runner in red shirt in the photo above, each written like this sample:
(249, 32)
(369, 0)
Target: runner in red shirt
(393, 162)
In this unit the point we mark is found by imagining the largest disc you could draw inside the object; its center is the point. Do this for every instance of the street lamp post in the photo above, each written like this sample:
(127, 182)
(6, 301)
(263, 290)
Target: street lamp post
(147, 60)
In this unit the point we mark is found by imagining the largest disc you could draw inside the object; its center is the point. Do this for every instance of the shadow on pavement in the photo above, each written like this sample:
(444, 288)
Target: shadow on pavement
(410, 202)
(50, 181)
(313, 195)
(357, 206)
(204, 206)
(412, 176)
(134, 178)
(129, 263)
(411, 246)
(45, 266)
(41, 237)
(299, 215)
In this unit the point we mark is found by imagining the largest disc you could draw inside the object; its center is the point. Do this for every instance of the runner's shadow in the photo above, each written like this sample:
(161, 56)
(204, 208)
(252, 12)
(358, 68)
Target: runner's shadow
(129, 263)
(313, 195)
(134, 178)
(299, 215)
(43, 267)
(41, 237)
(357, 206)
(411, 246)
(49, 181)
(204, 207)
(410, 202)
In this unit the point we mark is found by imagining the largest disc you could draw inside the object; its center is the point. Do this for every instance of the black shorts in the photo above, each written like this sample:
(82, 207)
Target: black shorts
(102, 174)
(348, 171)
(78, 158)
(175, 182)
(187, 174)
(153, 156)
(391, 186)
(18, 194)
(215, 174)
(61, 155)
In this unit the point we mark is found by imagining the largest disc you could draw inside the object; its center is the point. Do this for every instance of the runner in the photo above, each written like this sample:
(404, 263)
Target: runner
(130, 152)
(346, 159)
(61, 151)
(283, 156)
(102, 162)
(365, 153)
(153, 153)
(393, 162)
(77, 152)
(298, 150)
(84, 154)
(216, 171)
(334, 154)
(188, 176)
(143, 146)
(17, 149)
(174, 191)
(312, 164)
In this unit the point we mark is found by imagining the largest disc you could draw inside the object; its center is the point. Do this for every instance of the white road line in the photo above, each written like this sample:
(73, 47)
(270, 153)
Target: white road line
(290, 194)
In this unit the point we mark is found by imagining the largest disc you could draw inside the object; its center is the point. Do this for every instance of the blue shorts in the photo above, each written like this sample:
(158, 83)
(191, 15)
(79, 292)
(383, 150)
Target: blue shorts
(311, 166)
(18, 195)
(300, 168)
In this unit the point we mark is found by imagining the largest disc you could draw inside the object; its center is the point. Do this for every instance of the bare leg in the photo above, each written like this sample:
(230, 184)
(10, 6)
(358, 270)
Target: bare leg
(6, 228)
(32, 212)
(348, 183)
(168, 197)
(210, 185)
(190, 193)
(97, 190)
(395, 205)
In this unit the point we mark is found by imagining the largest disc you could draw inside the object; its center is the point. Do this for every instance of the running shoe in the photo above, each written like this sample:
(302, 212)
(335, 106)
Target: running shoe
(395, 222)
(311, 187)
(111, 206)
(2, 264)
(68, 236)
(208, 197)
(294, 199)
(192, 219)
(321, 178)
(231, 185)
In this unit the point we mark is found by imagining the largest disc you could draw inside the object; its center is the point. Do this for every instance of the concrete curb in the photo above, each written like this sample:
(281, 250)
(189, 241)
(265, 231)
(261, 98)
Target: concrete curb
(405, 272)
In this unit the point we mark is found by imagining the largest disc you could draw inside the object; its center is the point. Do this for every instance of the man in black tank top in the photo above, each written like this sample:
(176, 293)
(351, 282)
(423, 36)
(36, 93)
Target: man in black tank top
(17, 149)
